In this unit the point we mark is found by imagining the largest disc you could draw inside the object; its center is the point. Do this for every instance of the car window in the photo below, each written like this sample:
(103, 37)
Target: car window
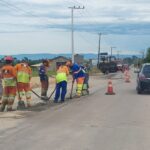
(146, 69)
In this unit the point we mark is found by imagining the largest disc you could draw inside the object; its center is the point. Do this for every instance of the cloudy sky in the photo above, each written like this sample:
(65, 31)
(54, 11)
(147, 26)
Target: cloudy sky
(43, 26)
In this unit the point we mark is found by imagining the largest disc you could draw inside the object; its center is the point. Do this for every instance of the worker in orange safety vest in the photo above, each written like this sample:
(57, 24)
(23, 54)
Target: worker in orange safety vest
(9, 79)
(24, 74)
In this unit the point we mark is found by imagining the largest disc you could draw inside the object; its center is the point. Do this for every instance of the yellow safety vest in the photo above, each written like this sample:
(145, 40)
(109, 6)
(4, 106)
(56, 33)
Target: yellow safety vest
(23, 77)
(61, 77)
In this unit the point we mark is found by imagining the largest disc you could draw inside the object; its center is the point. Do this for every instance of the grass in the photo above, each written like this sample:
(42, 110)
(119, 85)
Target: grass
(94, 70)
(35, 72)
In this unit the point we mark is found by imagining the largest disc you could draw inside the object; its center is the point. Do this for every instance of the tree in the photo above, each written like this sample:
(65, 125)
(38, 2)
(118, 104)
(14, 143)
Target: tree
(147, 59)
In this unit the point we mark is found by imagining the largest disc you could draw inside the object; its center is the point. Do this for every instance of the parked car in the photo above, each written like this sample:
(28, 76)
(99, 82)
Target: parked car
(143, 78)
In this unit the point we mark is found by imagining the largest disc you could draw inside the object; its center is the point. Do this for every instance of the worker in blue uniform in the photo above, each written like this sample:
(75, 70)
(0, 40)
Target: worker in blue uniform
(78, 76)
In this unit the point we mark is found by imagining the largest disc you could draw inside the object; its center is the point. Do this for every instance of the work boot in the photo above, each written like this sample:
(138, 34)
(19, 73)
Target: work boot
(44, 98)
(28, 104)
(88, 92)
(55, 101)
(62, 101)
(77, 96)
(2, 108)
(21, 105)
(85, 92)
(9, 109)
(3, 105)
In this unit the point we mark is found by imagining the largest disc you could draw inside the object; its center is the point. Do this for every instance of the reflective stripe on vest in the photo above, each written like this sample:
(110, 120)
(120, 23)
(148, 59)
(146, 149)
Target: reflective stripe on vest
(9, 82)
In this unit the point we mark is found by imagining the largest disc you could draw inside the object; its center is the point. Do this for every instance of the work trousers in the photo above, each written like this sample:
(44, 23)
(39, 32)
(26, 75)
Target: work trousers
(9, 93)
(80, 82)
(86, 85)
(44, 87)
(24, 90)
(61, 88)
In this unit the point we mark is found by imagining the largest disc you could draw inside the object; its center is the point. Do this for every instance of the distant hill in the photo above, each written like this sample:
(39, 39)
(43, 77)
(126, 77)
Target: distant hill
(50, 56)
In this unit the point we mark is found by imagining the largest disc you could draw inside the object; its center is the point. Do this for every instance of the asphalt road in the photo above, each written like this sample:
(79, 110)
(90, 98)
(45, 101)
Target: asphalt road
(95, 122)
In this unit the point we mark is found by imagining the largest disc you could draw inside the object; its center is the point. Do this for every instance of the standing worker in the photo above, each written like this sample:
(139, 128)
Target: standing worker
(9, 78)
(61, 83)
(78, 75)
(43, 74)
(24, 74)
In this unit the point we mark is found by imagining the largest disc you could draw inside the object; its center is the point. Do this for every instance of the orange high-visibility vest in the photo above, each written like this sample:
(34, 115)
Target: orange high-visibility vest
(23, 73)
(63, 69)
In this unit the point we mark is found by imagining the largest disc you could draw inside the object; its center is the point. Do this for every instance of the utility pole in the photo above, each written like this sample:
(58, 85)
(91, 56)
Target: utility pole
(72, 28)
(99, 47)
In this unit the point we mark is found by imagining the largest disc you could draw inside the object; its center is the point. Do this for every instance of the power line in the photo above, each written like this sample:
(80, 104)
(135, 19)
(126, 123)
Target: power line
(87, 12)
(18, 9)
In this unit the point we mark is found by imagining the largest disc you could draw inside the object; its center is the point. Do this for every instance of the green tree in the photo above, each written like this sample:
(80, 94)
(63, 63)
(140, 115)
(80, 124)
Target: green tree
(147, 59)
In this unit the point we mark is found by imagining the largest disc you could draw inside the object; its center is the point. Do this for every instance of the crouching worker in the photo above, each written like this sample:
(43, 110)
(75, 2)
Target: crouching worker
(85, 89)
(23, 83)
(43, 74)
(61, 83)
(9, 78)
(78, 75)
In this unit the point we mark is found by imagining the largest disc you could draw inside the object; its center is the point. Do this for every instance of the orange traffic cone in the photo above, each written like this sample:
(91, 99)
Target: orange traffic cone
(110, 89)
(127, 76)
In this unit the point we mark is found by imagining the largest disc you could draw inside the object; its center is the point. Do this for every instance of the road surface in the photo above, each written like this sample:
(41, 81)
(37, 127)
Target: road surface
(95, 122)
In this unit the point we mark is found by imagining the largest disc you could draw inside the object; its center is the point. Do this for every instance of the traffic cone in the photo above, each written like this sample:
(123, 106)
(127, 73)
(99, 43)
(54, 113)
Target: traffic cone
(127, 77)
(110, 89)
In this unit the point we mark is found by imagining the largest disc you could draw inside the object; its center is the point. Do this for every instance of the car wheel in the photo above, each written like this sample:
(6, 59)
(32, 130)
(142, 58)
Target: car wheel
(107, 72)
(139, 91)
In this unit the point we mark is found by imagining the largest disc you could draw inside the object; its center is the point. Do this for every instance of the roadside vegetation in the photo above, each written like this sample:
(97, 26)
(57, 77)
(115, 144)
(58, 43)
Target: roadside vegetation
(35, 72)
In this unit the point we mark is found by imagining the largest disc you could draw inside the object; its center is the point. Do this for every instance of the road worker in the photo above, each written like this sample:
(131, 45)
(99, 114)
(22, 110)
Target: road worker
(9, 78)
(43, 74)
(61, 82)
(24, 74)
(85, 89)
(78, 75)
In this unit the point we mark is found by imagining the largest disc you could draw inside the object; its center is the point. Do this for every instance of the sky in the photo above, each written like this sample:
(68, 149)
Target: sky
(44, 26)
